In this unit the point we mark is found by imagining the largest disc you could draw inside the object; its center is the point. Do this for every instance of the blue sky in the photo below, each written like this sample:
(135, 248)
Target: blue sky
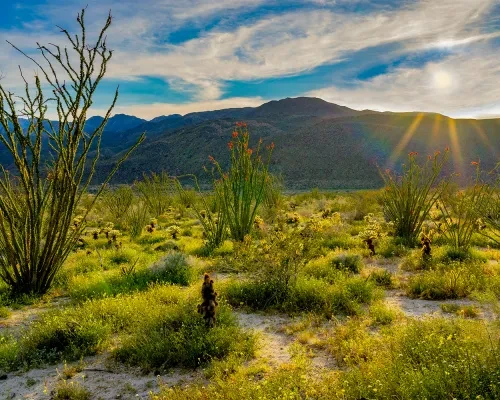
(174, 56)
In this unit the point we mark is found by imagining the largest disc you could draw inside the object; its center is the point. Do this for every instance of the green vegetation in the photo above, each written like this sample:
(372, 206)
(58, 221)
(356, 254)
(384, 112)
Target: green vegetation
(407, 199)
(41, 218)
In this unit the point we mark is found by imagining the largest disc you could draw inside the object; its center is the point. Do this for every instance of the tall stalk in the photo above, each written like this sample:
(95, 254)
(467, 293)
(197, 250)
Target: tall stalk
(38, 200)
(156, 191)
(459, 209)
(408, 198)
(241, 190)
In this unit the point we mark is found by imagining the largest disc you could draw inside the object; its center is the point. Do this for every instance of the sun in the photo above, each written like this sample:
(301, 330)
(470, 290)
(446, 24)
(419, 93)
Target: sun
(442, 79)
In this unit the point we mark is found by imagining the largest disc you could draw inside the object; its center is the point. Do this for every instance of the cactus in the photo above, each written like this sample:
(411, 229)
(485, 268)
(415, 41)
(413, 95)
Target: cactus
(209, 304)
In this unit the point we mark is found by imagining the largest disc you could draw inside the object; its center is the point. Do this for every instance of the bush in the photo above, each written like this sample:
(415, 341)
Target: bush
(452, 281)
(179, 337)
(308, 294)
(349, 262)
(381, 314)
(381, 277)
(173, 268)
(407, 199)
(71, 391)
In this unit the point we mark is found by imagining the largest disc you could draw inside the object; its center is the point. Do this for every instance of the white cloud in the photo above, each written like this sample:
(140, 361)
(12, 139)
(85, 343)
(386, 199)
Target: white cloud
(287, 44)
(300, 41)
(459, 86)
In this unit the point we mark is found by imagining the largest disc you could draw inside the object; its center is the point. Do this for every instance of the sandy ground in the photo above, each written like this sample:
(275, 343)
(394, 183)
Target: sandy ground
(102, 380)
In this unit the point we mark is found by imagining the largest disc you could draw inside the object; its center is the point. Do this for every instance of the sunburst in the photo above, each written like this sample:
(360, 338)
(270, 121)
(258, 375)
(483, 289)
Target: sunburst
(406, 138)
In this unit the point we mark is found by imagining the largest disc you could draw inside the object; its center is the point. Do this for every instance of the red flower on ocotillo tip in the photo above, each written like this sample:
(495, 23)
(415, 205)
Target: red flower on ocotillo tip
(230, 145)
(211, 159)
(235, 134)
(474, 163)
(249, 151)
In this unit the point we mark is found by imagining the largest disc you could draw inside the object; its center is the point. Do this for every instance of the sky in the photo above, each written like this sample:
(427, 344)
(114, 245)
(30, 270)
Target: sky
(181, 56)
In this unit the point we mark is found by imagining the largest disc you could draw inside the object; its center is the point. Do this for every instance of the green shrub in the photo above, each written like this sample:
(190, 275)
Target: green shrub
(381, 314)
(381, 277)
(349, 262)
(308, 294)
(4, 312)
(178, 337)
(463, 311)
(447, 282)
(173, 268)
(427, 359)
(71, 391)
(407, 199)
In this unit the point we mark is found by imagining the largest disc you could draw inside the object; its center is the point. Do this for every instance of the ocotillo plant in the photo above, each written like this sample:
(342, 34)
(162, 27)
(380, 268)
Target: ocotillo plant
(39, 199)
(460, 210)
(241, 190)
(156, 191)
(407, 199)
(209, 212)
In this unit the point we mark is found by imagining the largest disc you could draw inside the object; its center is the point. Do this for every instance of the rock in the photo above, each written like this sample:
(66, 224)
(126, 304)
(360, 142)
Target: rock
(3, 377)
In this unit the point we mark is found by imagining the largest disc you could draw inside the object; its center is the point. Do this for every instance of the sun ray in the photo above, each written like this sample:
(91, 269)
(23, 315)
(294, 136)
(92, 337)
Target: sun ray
(436, 127)
(455, 146)
(482, 134)
(406, 138)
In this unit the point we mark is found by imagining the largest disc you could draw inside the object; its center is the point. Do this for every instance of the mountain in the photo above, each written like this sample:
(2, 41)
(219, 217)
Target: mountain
(117, 123)
(317, 144)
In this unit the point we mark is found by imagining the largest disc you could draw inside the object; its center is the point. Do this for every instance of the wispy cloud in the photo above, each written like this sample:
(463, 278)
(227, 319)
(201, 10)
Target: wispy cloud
(275, 42)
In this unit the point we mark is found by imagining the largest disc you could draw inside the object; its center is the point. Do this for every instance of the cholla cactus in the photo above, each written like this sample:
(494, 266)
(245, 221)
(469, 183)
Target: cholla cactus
(292, 219)
(77, 222)
(258, 222)
(174, 231)
(372, 232)
(113, 234)
(327, 212)
(95, 233)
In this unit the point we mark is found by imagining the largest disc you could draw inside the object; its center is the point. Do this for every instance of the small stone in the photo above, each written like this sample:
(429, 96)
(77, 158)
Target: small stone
(3, 377)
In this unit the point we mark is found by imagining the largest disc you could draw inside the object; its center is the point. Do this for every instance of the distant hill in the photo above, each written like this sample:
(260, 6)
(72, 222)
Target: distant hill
(318, 144)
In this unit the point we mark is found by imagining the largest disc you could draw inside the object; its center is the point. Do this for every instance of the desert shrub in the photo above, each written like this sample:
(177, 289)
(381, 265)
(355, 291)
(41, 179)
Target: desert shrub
(381, 277)
(392, 247)
(118, 201)
(308, 294)
(157, 192)
(290, 382)
(71, 391)
(58, 337)
(342, 241)
(382, 314)
(4, 312)
(135, 219)
(461, 310)
(450, 281)
(459, 209)
(179, 337)
(407, 199)
(427, 359)
(273, 200)
(173, 268)
(170, 333)
(349, 262)
(322, 268)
